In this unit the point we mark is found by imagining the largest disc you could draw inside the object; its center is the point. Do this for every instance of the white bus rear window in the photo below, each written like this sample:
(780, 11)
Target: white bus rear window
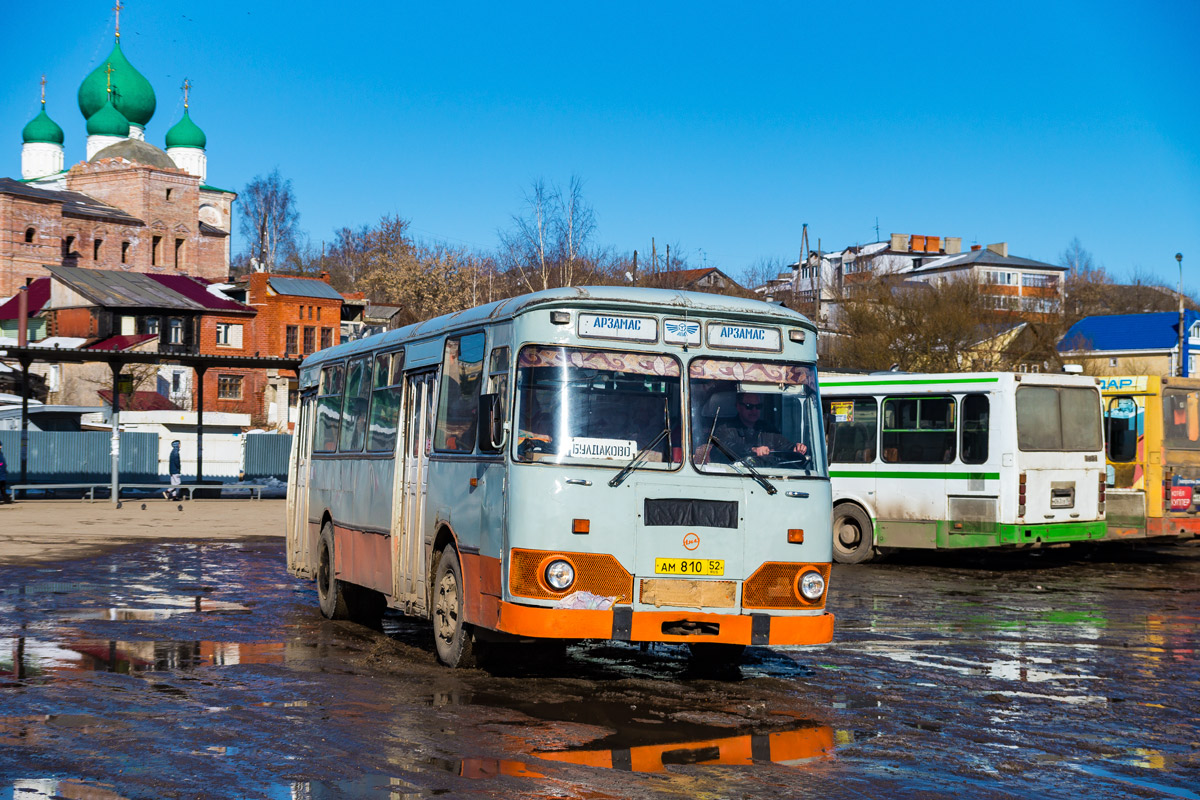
(1058, 418)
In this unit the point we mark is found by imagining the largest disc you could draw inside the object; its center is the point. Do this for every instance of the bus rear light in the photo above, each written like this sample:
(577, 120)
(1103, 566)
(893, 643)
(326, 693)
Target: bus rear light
(796, 335)
(581, 526)
(560, 317)
(795, 536)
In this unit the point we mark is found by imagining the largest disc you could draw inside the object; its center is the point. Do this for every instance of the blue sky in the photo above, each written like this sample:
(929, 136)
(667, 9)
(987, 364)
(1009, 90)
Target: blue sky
(716, 128)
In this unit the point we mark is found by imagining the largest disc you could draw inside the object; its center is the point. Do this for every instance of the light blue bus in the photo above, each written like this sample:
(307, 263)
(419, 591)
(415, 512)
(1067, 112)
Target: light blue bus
(608, 463)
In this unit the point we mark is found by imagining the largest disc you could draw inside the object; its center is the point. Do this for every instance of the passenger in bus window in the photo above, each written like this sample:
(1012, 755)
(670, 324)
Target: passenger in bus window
(747, 436)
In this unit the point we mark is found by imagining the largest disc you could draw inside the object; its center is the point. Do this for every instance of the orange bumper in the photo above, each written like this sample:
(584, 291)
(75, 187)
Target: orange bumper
(624, 624)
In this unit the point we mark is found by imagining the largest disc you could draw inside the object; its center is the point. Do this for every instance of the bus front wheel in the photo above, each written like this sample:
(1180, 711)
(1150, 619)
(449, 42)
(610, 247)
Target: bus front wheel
(330, 592)
(853, 536)
(451, 636)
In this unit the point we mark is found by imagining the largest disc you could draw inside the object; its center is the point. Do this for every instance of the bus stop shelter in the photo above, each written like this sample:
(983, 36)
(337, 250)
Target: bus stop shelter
(117, 360)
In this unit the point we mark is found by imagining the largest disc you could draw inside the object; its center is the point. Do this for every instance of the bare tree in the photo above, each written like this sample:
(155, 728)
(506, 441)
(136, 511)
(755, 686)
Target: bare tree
(575, 223)
(915, 326)
(526, 247)
(270, 221)
(550, 241)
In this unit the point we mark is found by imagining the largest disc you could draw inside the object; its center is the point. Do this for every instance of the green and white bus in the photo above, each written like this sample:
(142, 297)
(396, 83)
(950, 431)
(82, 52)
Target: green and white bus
(571, 464)
(963, 460)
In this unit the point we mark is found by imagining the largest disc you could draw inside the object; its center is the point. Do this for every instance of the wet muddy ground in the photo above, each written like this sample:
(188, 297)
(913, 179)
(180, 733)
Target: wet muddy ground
(202, 669)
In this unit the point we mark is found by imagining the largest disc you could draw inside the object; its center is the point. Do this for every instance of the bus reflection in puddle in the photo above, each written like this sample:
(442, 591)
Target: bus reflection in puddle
(789, 748)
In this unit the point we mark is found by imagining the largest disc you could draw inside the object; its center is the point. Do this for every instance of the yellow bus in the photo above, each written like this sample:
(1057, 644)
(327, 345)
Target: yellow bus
(1152, 433)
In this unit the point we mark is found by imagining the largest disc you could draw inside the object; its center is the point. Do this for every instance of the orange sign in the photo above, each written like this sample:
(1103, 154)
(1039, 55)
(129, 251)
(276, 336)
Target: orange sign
(691, 541)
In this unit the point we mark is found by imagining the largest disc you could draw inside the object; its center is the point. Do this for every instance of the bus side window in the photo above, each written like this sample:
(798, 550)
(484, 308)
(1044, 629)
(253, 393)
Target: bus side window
(458, 404)
(354, 406)
(329, 409)
(918, 430)
(975, 429)
(852, 425)
(386, 391)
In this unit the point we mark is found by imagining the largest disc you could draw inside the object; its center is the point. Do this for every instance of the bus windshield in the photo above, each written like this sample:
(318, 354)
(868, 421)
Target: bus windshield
(1181, 418)
(765, 415)
(1058, 418)
(599, 408)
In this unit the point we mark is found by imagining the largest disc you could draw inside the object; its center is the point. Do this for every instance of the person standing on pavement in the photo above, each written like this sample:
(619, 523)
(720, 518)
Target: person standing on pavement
(4, 498)
(175, 467)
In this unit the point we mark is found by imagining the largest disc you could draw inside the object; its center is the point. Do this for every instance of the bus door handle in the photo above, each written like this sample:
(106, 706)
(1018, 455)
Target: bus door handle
(578, 482)
(796, 494)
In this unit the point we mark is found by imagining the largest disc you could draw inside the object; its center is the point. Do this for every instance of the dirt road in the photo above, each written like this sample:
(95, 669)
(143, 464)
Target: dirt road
(52, 530)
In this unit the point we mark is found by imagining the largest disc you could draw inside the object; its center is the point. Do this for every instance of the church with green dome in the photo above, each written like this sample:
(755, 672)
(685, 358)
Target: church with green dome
(129, 204)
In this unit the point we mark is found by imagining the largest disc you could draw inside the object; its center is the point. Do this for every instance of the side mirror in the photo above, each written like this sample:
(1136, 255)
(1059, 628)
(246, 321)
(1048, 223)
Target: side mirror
(491, 423)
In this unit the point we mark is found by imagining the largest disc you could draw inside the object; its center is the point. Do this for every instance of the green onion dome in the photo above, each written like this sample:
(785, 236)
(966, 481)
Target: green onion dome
(107, 122)
(186, 133)
(42, 129)
(132, 94)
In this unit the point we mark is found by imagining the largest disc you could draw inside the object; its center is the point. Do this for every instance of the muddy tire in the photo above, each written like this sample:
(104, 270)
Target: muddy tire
(451, 634)
(853, 535)
(330, 592)
(712, 655)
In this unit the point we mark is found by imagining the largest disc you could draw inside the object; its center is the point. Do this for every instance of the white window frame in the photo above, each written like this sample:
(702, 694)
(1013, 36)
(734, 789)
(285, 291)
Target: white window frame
(229, 334)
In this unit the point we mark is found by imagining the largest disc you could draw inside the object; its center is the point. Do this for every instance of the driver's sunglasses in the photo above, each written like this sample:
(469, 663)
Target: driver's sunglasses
(752, 406)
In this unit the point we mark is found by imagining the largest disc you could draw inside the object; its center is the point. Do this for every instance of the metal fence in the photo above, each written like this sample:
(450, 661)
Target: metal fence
(266, 455)
(82, 457)
(78, 457)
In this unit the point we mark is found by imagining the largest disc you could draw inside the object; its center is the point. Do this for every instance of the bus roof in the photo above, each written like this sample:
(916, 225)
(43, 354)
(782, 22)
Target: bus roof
(628, 298)
(933, 380)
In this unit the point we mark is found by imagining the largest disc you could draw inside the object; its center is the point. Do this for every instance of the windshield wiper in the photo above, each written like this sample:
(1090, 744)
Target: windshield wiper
(766, 484)
(619, 478)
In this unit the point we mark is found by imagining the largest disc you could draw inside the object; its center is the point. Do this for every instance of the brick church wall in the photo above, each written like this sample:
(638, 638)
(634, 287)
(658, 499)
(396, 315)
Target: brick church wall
(20, 259)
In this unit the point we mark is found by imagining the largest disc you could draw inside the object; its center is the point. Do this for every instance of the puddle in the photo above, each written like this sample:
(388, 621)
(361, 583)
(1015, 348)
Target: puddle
(790, 748)
(1161, 788)
(24, 658)
(174, 607)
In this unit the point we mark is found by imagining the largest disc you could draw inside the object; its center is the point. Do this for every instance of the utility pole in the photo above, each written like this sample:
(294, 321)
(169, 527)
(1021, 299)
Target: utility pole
(1183, 370)
(653, 256)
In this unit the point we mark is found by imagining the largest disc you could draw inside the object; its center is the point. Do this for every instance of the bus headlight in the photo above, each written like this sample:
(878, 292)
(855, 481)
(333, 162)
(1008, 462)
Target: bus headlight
(812, 586)
(560, 575)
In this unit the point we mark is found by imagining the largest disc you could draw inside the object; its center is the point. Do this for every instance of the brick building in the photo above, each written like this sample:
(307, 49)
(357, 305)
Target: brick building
(129, 207)
(294, 317)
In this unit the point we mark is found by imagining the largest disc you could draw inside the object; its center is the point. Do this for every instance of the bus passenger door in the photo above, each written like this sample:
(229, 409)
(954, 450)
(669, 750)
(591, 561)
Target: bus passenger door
(408, 546)
(299, 537)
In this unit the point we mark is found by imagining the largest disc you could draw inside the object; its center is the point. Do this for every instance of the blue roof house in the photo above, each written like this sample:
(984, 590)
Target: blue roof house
(1135, 344)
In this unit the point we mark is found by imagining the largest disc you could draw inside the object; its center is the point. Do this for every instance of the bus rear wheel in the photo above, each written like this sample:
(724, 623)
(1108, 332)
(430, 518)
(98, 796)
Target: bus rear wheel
(330, 593)
(451, 635)
(853, 535)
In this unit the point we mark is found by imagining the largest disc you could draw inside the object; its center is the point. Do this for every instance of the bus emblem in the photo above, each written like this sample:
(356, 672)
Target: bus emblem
(691, 541)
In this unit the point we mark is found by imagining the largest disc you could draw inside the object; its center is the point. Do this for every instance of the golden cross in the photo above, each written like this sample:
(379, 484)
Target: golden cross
(186, 85)
(108, 76)
(118, 8)
(43, 89)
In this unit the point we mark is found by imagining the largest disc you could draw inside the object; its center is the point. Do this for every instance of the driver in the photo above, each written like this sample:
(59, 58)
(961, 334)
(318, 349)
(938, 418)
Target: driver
(745, 435)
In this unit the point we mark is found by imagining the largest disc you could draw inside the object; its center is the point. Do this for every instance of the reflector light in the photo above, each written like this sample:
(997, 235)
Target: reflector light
(796, 336)
(581, 526)
(560, 317)
(796, 535)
